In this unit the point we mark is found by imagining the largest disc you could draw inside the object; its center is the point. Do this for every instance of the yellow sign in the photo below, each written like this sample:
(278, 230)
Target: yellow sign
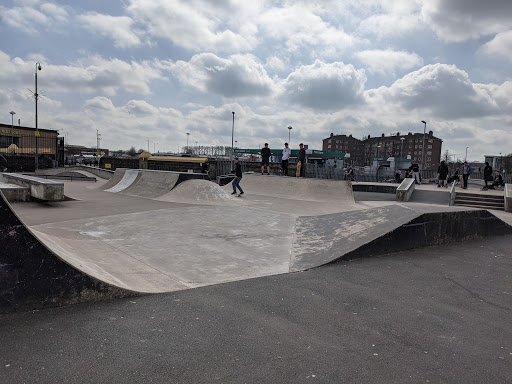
(107, 165)
(37, 133)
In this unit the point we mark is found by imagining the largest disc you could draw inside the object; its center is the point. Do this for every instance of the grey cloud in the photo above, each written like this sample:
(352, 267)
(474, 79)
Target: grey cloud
(238, 76)
(459, 20)
(325, 86)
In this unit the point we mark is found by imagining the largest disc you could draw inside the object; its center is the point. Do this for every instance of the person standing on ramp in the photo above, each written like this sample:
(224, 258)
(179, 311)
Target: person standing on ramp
(301, 161)
(238, 178)
(286, 155)
(265, 159)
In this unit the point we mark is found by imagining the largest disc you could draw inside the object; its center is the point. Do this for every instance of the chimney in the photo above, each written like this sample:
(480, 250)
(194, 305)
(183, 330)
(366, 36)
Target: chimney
(398, 134)
(368, 136)
(350, 135)
(332, 134)
(430, 133)
(382, 135)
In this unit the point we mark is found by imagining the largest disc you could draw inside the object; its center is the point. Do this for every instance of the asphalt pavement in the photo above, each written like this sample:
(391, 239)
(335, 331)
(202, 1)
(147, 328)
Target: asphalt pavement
(441, 314)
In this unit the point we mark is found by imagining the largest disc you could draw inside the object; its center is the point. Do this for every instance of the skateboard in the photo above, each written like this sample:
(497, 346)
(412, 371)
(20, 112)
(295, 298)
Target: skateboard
(297, 174)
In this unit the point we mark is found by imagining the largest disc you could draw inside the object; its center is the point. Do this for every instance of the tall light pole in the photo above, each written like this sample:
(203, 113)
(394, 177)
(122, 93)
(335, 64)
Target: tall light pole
(466, 157)
(12, 126)
(188, 134)
(233, 131)
(36, 96)
(423, 145)
(402, 148)
(289, 130)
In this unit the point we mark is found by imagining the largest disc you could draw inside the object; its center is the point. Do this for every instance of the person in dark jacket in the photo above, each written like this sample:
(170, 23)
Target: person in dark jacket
(442, 170)
(265, 159)
(487, 174)
(238, 178)
(302, 158)
(498, 181)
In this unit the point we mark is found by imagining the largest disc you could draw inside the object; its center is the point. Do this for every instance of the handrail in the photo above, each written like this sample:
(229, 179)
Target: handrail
(452, 194)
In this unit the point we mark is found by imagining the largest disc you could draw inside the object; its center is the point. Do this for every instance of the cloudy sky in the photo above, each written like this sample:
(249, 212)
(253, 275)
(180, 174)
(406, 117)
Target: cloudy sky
(157, 69)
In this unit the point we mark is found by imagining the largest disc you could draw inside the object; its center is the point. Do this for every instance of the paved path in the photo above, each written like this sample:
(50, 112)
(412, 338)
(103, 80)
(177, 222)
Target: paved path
(440, 315)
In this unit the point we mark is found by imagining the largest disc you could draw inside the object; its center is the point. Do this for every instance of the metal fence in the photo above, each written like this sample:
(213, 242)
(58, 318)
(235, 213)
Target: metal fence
(18, 152)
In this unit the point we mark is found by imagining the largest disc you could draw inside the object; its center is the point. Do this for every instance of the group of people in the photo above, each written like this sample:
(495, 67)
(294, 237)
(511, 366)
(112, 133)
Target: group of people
(461, 176)
(301, 158)
(265, 162)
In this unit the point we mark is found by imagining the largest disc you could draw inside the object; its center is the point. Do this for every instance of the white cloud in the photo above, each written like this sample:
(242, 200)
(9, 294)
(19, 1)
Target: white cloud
(119, 29)
(193, 25)
(501, 45)
(237, 76)
(296, 26)
(460, 20)
(388, 61)
(325, 86)
(31, 20)
(88, 75)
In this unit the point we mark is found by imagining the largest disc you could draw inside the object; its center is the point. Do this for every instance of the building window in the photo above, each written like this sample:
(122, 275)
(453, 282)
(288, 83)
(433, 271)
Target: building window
(416, 146)
(420, 146)
(429, 152)
(431, 141)
(429, 159)
(429, 147)
(330, 141)
(328, 146)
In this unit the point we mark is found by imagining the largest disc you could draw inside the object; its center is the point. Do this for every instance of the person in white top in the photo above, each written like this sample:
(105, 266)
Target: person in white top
(286, 155)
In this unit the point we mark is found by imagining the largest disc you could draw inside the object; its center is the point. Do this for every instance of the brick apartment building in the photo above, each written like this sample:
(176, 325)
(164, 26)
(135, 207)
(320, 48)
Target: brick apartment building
(401, 146)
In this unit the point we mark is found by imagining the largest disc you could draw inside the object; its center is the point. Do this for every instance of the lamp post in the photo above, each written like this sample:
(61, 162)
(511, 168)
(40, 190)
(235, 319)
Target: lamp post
(289, 130)
(402, 148)
(466, 157)
(501, 162)
(423, 145)
(12, 126)
(36, 96)
(233, 131)
(188, 134)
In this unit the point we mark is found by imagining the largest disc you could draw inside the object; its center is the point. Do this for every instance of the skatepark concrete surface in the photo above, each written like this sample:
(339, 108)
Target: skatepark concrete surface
(149, 233)
(439, 314)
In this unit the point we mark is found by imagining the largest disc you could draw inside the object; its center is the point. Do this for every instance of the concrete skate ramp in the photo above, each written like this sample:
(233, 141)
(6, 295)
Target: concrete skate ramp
(150, 184)
(129, 177)
(116, 178)
(298, 188)
(324, 239)
(200, 192)
(31, 276)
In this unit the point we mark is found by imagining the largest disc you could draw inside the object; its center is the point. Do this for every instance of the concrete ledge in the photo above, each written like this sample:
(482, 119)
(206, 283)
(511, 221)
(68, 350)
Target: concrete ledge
(13, 192)
(47, 190)
(377, 187)
(405, 190)
(508, 197)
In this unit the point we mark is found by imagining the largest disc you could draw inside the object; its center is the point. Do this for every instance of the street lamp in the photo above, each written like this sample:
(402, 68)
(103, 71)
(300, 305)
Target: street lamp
(36, 96)
(12, 126)
(466, 157)
(233, 131)
(188, 134)
(402, 148)
(289, 130)
(378, 146)
(423, 146)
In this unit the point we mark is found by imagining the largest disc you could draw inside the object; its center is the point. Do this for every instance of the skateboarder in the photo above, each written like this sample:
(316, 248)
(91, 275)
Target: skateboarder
(286, 155)
(301, 158)
(238, 177)
(265, 159)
